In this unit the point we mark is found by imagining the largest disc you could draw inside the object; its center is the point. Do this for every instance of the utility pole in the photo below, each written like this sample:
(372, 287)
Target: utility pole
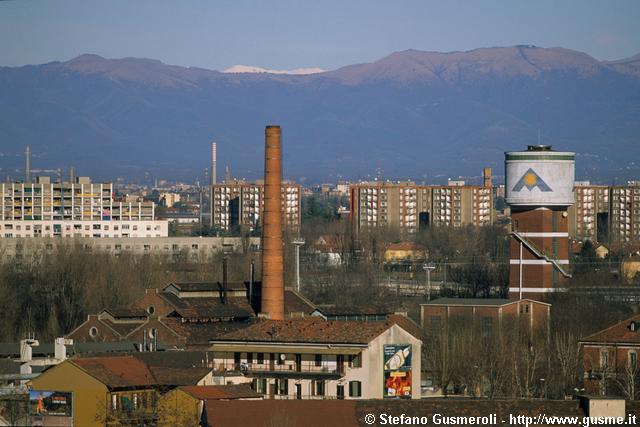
(297, 243)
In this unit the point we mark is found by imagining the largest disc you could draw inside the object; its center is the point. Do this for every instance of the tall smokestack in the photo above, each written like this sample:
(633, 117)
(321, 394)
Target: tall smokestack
(27, 170)
(272, 243)
(72, 175)
(214, 161)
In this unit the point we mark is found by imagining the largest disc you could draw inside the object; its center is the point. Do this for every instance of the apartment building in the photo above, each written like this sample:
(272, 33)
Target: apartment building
(312, 358)
(73, 209)
(624, 212)
(411, 207)
(240, 203)
(606, 213)
(460, 204)
(588, 217)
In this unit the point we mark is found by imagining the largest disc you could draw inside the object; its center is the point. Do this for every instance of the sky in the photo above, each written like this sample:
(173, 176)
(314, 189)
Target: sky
(286, 34)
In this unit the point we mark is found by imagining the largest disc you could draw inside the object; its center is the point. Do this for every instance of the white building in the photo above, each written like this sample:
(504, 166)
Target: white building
(312, 358)
(73, 209)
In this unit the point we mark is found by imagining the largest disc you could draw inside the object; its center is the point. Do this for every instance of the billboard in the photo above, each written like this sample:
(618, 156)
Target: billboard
(397, 371)
(51, 408)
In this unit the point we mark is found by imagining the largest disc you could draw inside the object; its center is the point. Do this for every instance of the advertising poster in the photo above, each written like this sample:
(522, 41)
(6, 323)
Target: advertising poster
(397, 371)
(50, 408)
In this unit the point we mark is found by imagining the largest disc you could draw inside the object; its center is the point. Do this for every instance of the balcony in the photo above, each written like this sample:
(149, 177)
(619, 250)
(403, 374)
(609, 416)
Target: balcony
(290, 369)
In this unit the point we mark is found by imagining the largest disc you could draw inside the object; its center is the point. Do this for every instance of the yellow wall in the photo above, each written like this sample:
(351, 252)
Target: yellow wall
(89, 394)
(630, 269)
(402, 254)
(177, 408)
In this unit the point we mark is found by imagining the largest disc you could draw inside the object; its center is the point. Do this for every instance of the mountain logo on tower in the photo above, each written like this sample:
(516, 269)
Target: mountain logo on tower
(531, 180)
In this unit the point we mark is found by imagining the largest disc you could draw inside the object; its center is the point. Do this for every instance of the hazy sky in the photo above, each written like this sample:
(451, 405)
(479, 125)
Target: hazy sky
(290, 34)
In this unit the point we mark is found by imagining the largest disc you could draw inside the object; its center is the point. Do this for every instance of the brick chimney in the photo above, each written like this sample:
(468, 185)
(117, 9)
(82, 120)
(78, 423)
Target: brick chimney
(272, 304)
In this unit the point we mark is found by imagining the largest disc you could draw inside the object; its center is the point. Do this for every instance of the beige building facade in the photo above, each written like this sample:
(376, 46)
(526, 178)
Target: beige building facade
(384, 363)
(411, 207)
(240, 203)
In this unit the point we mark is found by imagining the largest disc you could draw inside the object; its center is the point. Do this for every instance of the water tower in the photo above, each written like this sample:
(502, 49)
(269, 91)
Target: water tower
(539, 189)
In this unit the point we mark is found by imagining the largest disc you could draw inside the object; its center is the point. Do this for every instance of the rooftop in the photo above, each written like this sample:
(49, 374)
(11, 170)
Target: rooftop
(479, 302)
(619, 333)
(222, 392)
(316, 330)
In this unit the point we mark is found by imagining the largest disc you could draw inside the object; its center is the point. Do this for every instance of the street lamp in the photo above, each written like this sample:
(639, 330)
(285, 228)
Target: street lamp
(428, 268)
(297, 243)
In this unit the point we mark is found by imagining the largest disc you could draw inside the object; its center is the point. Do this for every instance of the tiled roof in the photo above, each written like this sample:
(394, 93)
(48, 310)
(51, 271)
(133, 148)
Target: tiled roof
(307, 413)
(133, 371)
(469, 408)
(485, 302)
(222, 392)
(125, 312)
(172, 376)
(209, 307)
(351, 413)
(117, 371)
(618, 333)
(311, 330)
(175, 359)
(294, 302)
(332, 310)
(207, 286)
(199, 334)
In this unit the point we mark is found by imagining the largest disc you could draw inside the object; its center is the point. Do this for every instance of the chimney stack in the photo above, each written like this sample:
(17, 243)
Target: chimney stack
(214, 161)
(272, 304)
(27, 173)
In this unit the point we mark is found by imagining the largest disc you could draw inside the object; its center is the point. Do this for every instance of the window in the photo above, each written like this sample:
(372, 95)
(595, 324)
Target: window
(318, 360)
(260, 385)
(282, 386)
(151, 309)
(236, 359)
(633, 359)
(319, 388)
(93, 331)
(281, 358)
(249, 358)
(355, 389)
(96, 226)
(355, 360)
(260, 358)
(114, 402)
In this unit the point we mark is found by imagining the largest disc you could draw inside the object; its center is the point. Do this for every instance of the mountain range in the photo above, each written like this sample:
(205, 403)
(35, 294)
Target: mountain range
(410, 115)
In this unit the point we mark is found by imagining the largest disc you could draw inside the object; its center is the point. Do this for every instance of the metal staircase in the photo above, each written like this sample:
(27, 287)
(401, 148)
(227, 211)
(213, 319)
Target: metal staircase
(537, 252)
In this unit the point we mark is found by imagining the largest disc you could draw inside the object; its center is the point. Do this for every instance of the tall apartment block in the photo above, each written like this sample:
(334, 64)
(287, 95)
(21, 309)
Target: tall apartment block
(624, 213)
(240, 203)
(589, 216)
(411, 207)
(73, 209)
(606, 213)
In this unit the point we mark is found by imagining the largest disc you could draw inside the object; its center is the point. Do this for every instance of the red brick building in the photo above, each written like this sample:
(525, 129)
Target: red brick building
(489, 313)
(610, 359)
